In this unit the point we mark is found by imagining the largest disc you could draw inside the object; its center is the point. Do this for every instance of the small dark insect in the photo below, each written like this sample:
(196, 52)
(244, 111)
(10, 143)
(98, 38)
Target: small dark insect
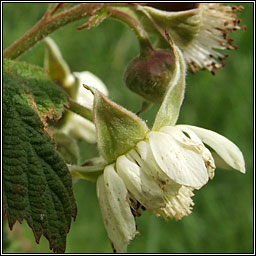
(112, 245)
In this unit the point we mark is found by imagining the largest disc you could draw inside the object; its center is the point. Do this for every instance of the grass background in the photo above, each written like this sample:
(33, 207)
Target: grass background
(222, 219)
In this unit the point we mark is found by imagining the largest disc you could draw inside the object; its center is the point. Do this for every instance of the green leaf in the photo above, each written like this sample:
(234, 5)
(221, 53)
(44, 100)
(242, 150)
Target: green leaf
(118, 130)
(37, 185)
(48, 98)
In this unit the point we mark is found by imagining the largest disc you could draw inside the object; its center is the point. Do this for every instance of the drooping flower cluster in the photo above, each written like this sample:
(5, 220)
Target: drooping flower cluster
(159, 168)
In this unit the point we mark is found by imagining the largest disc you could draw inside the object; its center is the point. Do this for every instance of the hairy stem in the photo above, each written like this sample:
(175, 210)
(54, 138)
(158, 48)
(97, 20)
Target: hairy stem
(134, 24)
(48, 24)
(90, 173)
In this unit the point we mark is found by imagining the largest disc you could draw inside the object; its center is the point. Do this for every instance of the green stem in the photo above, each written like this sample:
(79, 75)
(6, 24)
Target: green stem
(80, 110)
(134, 24)
(48, 24)
(90, 173)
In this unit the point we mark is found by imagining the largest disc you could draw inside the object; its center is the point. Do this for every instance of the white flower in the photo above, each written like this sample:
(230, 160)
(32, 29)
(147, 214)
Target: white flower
(160, 173)
(78, 126)
(217, 20)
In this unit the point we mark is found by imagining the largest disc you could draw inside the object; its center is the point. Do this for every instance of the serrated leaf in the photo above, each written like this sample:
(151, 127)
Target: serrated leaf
(49, 98)
(37, 185)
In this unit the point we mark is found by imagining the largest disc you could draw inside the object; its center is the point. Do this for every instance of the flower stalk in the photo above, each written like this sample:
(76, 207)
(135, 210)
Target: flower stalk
(48, 24)
(80, 110)
(135, 25)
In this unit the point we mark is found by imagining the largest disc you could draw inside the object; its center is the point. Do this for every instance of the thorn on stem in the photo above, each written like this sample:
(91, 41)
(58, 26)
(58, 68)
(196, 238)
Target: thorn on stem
(59, 5)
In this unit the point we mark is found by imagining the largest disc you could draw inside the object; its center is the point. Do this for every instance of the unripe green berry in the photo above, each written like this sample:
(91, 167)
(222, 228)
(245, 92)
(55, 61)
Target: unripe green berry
(149, 73)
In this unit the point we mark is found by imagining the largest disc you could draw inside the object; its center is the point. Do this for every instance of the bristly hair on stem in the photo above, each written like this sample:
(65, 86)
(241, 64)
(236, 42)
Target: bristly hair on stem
(50, 22)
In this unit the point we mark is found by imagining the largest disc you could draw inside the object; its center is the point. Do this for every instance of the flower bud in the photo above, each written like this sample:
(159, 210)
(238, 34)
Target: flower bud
(149, 73)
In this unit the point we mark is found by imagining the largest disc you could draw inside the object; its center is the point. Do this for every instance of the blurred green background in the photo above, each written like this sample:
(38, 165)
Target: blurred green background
(222, 219)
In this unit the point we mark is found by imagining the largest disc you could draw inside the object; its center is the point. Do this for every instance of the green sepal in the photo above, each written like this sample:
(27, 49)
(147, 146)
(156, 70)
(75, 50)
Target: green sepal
(168, 112)
(117, 129)
(183, 26)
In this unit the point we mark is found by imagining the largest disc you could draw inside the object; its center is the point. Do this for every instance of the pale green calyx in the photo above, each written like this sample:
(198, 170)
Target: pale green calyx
(117, 129)
(183, 25)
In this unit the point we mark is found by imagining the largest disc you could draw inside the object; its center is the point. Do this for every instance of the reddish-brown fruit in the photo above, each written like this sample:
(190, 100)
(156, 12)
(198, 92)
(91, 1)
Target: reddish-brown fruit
(150, 73)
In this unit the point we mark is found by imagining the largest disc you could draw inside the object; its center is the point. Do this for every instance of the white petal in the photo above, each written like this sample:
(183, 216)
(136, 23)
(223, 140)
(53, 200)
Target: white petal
(206, 154)
(226, 149)
(119, 242)
(182, 164)
(84, 96)
(141, 186)
(147, 162)
(116, 213)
